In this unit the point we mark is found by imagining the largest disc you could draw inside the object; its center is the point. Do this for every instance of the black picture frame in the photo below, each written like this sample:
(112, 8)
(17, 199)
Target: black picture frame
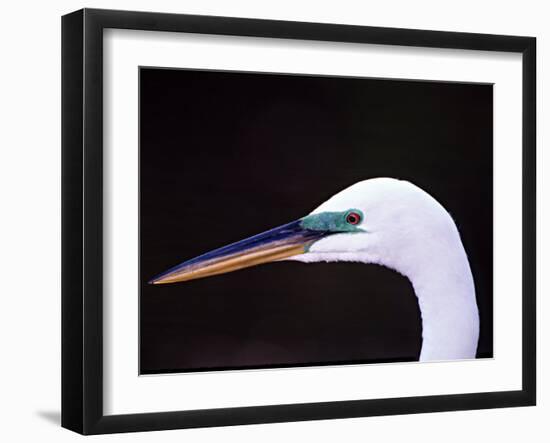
(82, 220)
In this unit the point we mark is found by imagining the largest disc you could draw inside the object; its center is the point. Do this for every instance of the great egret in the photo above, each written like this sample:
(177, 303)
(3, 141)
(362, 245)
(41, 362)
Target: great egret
(385, 221)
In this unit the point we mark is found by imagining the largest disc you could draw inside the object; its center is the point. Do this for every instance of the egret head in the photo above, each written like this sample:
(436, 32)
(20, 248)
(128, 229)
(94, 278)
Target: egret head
(367, 222)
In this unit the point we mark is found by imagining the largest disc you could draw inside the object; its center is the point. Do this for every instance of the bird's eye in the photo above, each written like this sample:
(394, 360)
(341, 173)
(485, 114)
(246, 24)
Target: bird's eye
(353, 218)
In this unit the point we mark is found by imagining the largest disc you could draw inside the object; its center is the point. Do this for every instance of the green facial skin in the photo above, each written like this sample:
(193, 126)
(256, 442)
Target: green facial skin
(332, 222)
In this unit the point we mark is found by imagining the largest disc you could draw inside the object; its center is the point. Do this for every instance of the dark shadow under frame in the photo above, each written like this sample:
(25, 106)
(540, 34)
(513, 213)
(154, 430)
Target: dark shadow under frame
(82, 220)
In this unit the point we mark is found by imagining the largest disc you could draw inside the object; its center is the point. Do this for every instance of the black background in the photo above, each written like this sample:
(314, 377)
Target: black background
(225, 155)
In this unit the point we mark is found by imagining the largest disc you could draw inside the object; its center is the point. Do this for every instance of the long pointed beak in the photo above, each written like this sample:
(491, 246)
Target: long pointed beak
(276, 244)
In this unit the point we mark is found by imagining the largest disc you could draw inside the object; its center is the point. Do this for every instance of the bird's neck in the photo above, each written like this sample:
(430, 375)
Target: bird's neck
(437, 266)
(446, 296)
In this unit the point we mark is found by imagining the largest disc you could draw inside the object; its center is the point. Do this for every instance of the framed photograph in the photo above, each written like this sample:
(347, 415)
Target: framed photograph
(268, 221)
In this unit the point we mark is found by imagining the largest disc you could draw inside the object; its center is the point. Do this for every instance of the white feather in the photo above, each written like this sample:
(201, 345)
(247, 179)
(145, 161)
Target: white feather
(408, 231)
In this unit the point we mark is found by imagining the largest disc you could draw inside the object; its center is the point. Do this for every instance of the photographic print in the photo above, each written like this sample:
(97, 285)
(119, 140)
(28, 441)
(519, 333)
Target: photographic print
(270, 221)
(292, 220)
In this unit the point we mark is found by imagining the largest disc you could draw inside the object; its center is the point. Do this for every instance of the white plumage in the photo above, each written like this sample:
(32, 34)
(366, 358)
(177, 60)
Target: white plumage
(408, 231)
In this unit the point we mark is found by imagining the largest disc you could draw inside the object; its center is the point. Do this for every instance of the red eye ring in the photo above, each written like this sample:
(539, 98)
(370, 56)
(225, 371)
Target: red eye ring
(353, 218)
